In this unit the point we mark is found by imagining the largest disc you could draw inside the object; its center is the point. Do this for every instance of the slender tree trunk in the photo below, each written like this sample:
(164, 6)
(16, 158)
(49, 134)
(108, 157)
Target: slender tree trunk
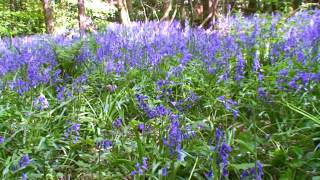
(214, 10)
(129, 4)
(167, 7)
(82, 16)
(124, 15)
(211, 8)
(205, 9)
(48, 16)
(183, 14)
(190, 12)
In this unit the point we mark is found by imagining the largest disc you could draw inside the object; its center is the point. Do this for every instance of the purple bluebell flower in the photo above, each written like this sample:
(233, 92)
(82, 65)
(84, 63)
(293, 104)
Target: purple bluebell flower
(24, 176)
(161, 83)
(132, 173)
(24, 161)
(224, 151)
(240, 67)
(60, 93)
(160, 110)
(253, 173)
(41, 103)
(219, 135)
(235, 113)
(140, 169)
(141, 127)
(73, 130)
(175, 138)
(105, 144)
(164, 171)
(144, 106)
(256, 64)
(209, 175)
(229, 105)
(2, 140)
(117, 123)
(188, 132)
(144, 163)
(261, 92)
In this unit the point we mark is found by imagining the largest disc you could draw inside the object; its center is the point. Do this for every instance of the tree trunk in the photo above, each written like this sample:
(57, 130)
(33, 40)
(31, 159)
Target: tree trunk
(81, 16)
(205, 10)
(190, 12)
(213, 11)
(129, 4)
(183, 14)
(167, 7)
(124, 15)
(48, 16)
(209, 12)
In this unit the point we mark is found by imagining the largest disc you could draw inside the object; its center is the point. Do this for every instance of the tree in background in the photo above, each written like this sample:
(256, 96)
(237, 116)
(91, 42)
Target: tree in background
(124, 13)
(25, 17)
(210, 12)
(48, 16)
(82, 16)
(167, 7)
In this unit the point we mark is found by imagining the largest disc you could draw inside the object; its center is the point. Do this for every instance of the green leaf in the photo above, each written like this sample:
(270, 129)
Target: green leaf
(243, 166)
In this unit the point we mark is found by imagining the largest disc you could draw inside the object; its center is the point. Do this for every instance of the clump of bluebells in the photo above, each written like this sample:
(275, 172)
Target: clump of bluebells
(24, 161)
(117, 123)
(174, 139)
(41, 102)
(157, 111)
(230, 105)
(73, 131)
(140, 168)
(253, 173)
(104, 144)
(221, 152)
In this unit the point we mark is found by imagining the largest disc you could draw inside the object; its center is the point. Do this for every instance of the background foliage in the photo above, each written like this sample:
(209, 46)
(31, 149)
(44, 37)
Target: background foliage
(25, 17)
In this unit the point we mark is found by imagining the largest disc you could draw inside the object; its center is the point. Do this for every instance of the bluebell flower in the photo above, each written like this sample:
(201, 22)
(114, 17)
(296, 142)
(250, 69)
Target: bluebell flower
(219, 135)
(229, 105)
(160, 111)
(73, 130)
(240, 68)
(60, 93)
(256, 64)
(164, 171)
(261, 92)
(144, 106)
(105, 144)
(24, 176)
(141, 127)
(209, 175)
(2, 139)
(174, 139)
(117, 123)
(222, 151)
(140, 169)
(254, 172)
(24, 161)
(41, 103)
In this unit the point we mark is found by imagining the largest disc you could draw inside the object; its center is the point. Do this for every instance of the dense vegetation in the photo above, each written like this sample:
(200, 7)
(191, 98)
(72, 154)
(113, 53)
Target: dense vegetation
(156, 101)
(173, 89)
